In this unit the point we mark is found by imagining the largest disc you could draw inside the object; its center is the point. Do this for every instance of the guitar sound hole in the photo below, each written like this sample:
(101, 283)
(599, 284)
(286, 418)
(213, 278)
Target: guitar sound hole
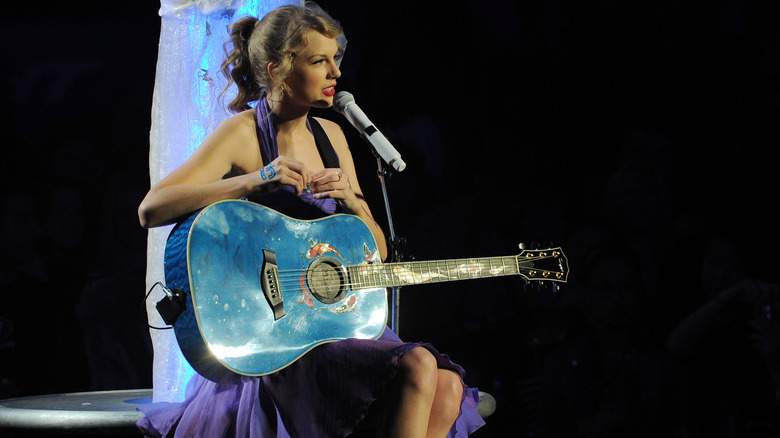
(325, 278)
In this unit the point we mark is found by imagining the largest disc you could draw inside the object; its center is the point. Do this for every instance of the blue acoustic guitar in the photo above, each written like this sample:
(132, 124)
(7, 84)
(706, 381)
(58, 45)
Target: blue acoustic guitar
(262, 288)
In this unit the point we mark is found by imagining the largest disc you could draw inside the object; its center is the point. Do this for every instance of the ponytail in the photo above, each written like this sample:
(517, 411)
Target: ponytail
(237, 66)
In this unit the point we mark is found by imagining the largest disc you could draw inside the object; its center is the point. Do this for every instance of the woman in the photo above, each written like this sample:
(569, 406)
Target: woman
(277, 155)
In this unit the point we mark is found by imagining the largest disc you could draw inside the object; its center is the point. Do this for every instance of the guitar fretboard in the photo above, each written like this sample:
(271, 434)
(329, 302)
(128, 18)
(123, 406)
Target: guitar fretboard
(435, 271)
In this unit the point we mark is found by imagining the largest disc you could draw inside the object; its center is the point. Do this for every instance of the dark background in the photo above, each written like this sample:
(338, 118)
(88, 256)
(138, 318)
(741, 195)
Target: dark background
(537, 121)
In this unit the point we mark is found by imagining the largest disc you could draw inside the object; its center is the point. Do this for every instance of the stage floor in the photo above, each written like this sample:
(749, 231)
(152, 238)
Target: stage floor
(102, 413)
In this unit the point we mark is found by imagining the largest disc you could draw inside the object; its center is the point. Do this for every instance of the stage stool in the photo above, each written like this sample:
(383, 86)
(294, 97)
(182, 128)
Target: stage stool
(97, 413)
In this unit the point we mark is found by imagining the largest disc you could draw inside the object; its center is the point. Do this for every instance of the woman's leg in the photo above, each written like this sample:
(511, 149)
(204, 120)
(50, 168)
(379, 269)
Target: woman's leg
(446, 403)
(428, 399)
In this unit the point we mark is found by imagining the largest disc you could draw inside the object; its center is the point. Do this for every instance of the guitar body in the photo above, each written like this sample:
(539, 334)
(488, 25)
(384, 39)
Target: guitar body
(264, 288)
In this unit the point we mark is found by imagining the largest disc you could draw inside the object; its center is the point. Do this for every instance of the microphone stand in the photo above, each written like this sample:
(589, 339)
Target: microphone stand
(395, 245)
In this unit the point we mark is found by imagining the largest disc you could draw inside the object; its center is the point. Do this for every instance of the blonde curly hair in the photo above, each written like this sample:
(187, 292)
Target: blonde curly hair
(277, 38)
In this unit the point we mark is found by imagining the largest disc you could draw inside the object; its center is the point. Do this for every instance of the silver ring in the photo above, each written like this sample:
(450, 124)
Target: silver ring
(339, 174)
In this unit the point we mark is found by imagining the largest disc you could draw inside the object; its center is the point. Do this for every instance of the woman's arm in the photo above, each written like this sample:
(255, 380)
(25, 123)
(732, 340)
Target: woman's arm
(198, 181)
(225, 166)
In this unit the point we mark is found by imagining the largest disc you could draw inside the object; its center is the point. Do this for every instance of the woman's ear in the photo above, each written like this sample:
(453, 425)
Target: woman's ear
(271, 68)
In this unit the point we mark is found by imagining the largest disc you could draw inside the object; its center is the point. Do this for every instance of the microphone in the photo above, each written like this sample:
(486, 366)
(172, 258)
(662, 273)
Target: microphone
(344, 103)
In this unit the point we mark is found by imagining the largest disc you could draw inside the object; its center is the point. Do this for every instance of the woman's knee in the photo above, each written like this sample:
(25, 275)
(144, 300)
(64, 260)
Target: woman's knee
(446, 402)
(449, 391)
(449, 385)
(419, 368)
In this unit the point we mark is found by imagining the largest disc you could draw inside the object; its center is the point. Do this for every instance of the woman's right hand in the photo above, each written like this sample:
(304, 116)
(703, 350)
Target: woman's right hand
(283, 170)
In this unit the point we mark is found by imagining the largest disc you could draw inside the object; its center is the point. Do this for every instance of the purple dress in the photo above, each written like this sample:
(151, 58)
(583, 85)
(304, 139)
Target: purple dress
(326, 393)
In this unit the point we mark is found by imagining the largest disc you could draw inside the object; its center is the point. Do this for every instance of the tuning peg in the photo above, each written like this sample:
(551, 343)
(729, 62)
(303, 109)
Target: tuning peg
(549, 286)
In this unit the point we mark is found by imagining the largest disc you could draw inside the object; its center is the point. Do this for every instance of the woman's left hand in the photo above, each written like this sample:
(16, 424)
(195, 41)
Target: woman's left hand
(334, 183)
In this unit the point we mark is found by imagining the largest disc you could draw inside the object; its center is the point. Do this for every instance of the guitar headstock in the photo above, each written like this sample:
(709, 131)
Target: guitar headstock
(548, 264)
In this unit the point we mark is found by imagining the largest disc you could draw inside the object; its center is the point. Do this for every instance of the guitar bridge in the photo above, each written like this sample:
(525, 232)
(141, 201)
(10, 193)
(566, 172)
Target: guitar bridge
(270, 284)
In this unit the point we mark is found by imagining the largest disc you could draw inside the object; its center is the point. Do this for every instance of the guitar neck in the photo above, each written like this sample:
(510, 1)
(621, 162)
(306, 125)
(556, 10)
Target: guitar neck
(436, 271)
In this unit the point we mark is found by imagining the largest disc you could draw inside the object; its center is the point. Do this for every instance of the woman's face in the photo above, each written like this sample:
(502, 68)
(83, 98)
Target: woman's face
(312, 81)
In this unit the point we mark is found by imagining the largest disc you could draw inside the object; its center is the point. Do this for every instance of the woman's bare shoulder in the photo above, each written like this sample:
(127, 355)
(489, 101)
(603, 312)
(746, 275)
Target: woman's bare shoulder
(236, 130)
(243, 121)
(335, 134)
(232, 144)
(328, 125)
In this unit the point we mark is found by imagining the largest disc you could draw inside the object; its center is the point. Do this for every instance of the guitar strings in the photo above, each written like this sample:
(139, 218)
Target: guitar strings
(378, 275)
(457, 266)
(373, 276)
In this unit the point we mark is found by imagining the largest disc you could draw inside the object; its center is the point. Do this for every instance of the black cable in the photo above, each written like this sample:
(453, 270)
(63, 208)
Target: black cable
(168, 292)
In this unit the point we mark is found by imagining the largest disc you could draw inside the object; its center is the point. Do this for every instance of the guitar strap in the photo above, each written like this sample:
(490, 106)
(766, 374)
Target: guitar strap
(324, 146)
